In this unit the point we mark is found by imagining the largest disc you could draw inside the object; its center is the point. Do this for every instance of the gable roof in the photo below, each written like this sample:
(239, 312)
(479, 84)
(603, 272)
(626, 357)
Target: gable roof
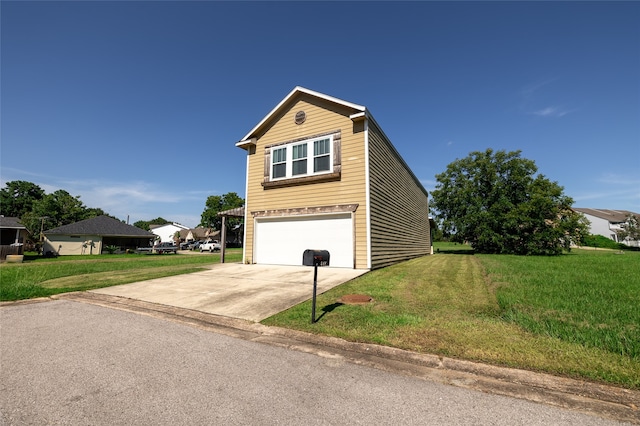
(101, 225)
(11, 223)
(174, 224)
(247, 140)
(613, 216)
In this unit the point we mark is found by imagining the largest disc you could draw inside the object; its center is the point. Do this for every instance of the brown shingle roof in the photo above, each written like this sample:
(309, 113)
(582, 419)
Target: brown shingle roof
(613, 216)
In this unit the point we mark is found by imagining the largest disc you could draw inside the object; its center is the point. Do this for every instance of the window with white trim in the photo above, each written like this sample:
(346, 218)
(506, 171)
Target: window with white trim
(299, 163)
(279, 164)
(321, 155)
(302, 158)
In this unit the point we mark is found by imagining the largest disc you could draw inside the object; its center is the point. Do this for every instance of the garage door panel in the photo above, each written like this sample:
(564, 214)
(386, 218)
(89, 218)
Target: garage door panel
(281, 241)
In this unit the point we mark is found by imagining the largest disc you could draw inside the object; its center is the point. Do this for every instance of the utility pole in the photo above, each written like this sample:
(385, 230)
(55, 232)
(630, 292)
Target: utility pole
(42, 232)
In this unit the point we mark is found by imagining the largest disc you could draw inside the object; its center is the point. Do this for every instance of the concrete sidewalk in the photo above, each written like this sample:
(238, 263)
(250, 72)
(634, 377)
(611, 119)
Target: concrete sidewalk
(249, 292)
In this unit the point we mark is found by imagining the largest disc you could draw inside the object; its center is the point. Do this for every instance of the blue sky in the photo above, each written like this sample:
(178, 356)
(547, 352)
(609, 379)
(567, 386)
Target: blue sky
(136, 106)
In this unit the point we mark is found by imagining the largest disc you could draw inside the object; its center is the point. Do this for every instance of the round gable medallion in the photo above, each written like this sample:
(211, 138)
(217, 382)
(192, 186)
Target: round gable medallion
(301, 116)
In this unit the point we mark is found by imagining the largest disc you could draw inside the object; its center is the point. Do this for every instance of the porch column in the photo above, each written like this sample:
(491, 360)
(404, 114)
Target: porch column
(223, 238)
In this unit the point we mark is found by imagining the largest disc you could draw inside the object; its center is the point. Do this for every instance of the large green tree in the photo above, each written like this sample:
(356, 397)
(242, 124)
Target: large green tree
(55, 209)
(18, 196)
(219, 203)
(40, 211)
(497, 203)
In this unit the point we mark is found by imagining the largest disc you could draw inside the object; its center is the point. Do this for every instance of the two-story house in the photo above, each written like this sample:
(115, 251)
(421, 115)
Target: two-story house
(321, 174)
(607, 222)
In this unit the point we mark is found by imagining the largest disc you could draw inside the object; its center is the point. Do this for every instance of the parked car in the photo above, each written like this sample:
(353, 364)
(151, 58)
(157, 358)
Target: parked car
(194, 245)
(165, 248)
(211, 246)
(185, 245)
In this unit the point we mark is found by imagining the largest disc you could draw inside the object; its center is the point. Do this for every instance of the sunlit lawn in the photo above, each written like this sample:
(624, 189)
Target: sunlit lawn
(575, 315)
(39, 277)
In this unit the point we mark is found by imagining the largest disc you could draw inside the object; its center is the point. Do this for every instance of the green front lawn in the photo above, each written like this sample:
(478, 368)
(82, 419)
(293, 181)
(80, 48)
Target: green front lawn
(575, 315)
(40, 277)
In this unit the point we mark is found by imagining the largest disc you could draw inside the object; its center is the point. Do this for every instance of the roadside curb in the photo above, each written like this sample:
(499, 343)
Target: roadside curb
(587, 397)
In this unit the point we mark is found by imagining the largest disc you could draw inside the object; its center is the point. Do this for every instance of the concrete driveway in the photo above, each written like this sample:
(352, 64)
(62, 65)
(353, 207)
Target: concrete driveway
(250, 292)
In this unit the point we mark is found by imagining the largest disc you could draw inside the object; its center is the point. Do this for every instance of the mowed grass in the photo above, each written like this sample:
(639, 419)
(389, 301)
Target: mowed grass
(575, 315)
(46, 277)
(587, 297)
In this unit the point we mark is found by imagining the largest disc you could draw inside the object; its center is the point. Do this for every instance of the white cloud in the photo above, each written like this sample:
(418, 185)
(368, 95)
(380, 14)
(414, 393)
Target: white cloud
(630, 194)
(529, 90)
(532, 95)
(552, 111)
(616, 179)
(616, 193)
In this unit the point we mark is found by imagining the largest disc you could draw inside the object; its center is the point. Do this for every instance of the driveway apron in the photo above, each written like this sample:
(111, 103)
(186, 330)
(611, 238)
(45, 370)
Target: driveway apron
(250, 292)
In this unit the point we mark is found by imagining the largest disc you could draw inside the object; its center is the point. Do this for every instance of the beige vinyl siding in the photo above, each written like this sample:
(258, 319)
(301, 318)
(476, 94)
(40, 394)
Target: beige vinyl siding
(66, 245)
(399, 206)
(321, 117)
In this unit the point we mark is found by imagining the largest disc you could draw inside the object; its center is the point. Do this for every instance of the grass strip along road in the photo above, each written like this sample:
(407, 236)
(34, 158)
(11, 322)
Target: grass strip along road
(574, 315)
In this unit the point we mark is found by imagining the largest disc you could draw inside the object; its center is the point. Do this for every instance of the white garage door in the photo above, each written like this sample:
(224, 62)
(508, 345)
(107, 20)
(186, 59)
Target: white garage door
(281, 241)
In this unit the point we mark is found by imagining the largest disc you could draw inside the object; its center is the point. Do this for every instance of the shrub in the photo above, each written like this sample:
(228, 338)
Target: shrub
(111, 249)
(600, 241)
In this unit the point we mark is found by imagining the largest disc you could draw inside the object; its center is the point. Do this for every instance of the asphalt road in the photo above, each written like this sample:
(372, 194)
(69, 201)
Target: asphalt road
(71, 363)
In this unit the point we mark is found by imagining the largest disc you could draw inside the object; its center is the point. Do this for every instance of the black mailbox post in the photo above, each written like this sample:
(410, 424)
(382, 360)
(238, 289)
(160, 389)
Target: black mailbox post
(315, 258)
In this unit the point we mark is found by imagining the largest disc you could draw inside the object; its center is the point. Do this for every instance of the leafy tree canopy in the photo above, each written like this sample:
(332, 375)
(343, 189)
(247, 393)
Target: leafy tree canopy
(17, 197)
(630, 229)
(146, 224)
(40, 211)
(495, 202)
(219, 203)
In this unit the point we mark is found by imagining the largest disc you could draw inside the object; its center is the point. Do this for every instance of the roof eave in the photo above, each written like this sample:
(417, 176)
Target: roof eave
(246, 144)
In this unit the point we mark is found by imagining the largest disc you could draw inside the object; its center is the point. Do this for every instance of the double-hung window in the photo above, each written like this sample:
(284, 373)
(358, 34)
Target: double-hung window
(299, 161)
(279, 165)
(302, 158)
(321, 155)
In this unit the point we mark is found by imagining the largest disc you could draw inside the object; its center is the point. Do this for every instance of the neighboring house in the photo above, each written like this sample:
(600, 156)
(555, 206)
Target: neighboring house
(607, 222)
(91, 236)
(13, 236)
(167, 231)
(321, 174)
(199, 234)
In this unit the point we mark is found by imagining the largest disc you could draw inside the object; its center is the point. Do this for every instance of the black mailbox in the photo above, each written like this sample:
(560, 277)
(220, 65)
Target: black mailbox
(315, 258)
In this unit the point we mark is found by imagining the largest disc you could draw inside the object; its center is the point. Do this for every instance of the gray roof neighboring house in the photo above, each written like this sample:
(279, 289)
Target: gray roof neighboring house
(101, 225)
(613, 216)
(11, 223)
